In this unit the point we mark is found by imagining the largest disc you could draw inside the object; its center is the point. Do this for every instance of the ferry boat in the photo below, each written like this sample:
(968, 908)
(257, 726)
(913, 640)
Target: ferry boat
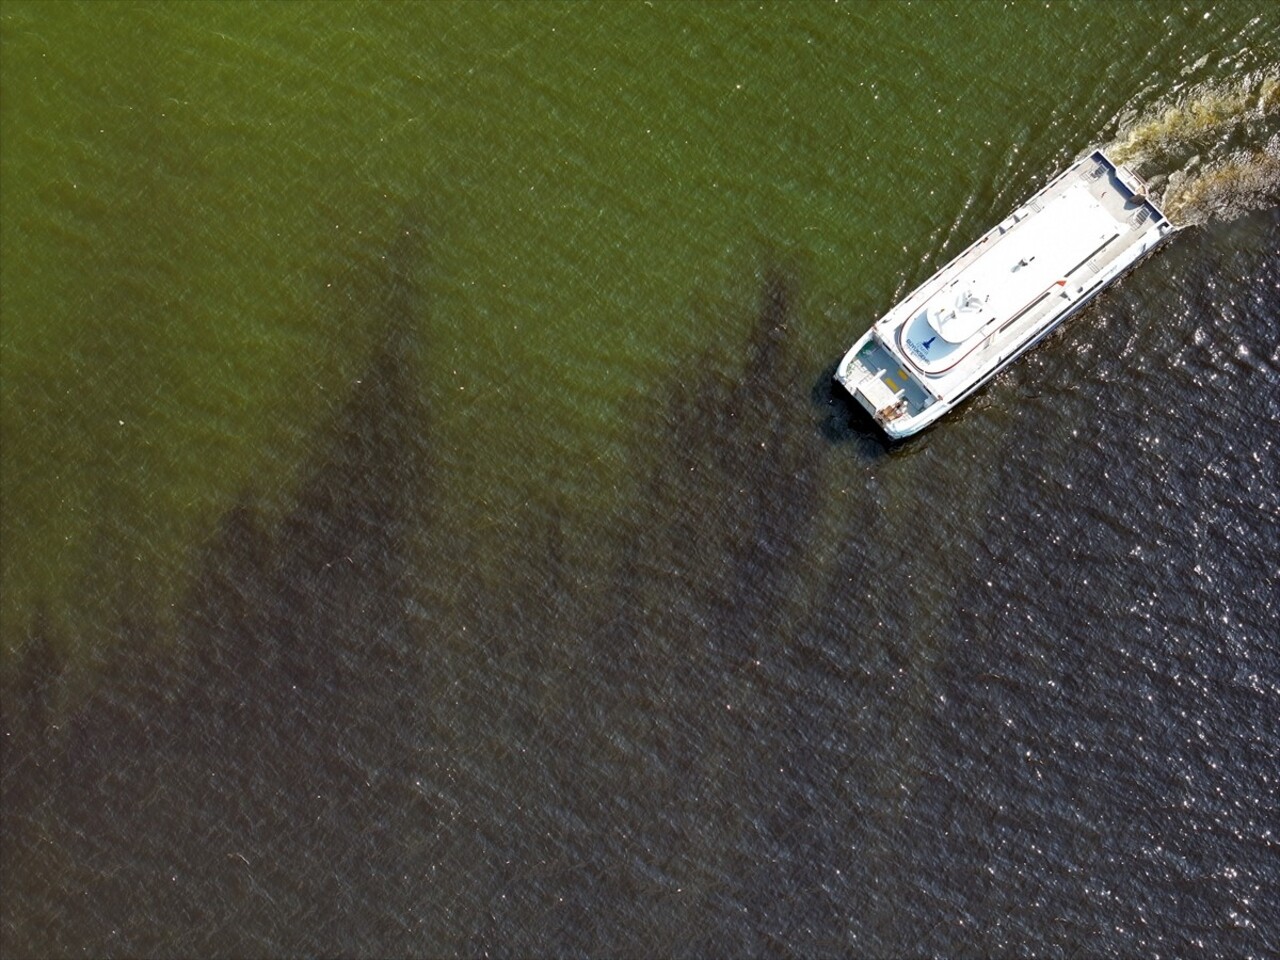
(1003, 294)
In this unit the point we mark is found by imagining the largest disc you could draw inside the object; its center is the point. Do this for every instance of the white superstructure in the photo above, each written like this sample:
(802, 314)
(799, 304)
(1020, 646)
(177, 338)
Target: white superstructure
(1002, 295)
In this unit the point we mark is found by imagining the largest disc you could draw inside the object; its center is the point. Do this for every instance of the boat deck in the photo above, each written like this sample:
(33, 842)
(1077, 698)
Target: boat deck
(1002, 295)
(1036, 264)
(873, 360)
(1025, 274)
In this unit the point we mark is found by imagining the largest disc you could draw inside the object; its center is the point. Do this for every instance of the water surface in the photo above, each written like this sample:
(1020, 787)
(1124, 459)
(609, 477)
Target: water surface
(429, 527)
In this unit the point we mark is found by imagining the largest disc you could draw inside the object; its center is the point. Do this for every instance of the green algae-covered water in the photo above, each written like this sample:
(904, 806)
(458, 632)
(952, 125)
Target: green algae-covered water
(428, 527)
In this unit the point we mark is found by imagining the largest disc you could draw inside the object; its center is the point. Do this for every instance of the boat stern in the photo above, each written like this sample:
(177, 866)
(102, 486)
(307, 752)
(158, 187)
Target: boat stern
(880, 383)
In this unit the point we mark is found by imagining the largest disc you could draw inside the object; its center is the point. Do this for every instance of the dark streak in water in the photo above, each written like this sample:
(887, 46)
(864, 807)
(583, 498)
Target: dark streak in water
(1011, 732)
(233, 763)
(305, 741)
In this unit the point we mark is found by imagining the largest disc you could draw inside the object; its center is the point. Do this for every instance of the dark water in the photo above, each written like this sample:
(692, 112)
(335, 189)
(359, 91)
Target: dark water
(737, 678)
(1052, 729)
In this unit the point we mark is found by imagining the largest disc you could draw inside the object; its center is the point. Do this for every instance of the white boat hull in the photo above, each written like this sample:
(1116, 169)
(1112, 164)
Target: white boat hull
(1002, 295)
